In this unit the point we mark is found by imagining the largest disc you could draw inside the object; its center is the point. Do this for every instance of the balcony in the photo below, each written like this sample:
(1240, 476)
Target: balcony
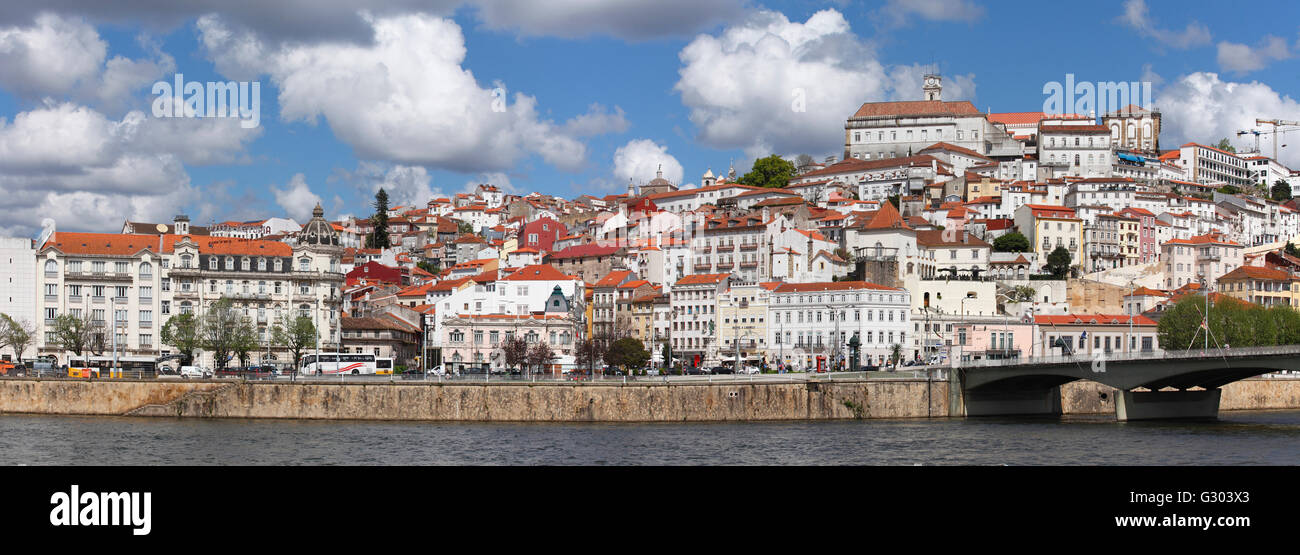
(97, 299)
(749, 247)
(186, 294)
(99, 276)
(725, 265)
(753, 264)
(702, 267)
(726, 248)
(705, 249)
(119, 300)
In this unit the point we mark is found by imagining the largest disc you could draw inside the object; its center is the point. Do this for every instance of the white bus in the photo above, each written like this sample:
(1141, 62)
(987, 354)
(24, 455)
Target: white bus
(345, 363)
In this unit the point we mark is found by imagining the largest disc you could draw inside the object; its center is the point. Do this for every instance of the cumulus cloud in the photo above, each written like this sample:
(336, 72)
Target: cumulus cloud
(1137, 17)
(85, 170)
(627, 19)
(597, 121)
(58, 56)
(899, 11)
(296, 198)
(1239, 58)
(640, 160)
(1202, 107)
(771, 85)
(406, 98)
(499, 179)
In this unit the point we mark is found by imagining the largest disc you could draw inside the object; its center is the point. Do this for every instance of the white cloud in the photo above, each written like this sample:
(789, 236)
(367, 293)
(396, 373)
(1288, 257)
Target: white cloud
(1136, 16)
(405, 98)
(296, 199)
(597, 121)
(640, 160)
(1203, 108)
(933, 10)
(66, 57)
(499, 179)
(53, 56)
(770, 85)
(1239, 58)
(627, 19)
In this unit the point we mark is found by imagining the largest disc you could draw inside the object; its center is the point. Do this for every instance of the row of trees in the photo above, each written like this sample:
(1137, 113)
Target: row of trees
(223, 330)
(18, 334)
(1231, 322)
(520, 355)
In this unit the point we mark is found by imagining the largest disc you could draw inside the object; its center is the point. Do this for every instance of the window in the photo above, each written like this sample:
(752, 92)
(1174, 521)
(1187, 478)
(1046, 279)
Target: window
(212, 262)
(304, 264)
(122, 267)
(146, 270)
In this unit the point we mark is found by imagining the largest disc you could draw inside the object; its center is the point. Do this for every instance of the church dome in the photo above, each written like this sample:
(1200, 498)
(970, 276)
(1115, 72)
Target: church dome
(317, 231)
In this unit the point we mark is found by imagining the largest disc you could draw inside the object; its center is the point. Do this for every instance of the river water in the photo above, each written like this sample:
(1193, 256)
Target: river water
(1239, 437)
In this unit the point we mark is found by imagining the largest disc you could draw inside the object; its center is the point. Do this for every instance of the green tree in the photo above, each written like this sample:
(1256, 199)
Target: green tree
(182, 332)
(245, 340)
(1281, 191)
(895, 353)
(76, 333)
(1021, 294)
(627, 352)
(1058, 262)
(1291, 249)
(464, 228)
(1225, 145)
(1229, 189)
(296, 334)
(218, 331)
(429, 267)
(773, 171)
(18, 334)
(378, 239)
(894, 200)
(1011, 242)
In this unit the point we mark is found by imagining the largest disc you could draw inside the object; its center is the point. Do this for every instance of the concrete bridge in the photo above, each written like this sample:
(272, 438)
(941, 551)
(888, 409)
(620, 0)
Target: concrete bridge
(1172, 384)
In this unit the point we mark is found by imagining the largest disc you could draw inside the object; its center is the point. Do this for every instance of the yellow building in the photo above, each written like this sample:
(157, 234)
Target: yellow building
(1262, 286)
(742, 317)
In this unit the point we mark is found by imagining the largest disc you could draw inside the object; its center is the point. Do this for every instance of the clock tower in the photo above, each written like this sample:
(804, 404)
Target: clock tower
(932, 87)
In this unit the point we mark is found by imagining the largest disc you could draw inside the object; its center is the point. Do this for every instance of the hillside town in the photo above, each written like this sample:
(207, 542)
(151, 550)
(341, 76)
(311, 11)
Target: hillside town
(940, 235)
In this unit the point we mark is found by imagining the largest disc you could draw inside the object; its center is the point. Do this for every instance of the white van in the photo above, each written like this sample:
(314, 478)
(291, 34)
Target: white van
(196, 372)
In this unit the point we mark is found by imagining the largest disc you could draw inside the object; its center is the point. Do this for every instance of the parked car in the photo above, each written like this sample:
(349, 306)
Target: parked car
(721, 370)
(437, 371)
(747, 369)
(196, 372)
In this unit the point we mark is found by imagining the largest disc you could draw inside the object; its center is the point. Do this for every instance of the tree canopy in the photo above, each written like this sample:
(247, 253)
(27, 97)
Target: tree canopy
(628, 352)
(182, 331)
(1225, 145)
(1011, 242)
(1281, 191)
(1058, 262)
(1231, 322)
(294, 333)
(773, 171)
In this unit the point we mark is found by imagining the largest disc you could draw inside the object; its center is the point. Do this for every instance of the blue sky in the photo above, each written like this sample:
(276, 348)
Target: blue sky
(691, 85)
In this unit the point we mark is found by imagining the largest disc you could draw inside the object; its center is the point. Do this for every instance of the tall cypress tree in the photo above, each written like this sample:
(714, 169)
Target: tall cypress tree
(379, 238)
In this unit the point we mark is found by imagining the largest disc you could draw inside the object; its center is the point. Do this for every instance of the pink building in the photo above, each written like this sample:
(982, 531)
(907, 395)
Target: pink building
(1010, 338)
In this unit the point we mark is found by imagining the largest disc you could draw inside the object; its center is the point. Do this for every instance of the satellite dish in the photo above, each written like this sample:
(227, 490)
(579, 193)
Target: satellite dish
(162, 228)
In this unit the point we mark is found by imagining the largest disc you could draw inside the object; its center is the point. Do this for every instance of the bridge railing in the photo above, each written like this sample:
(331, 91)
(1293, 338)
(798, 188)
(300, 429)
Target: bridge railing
(1117, 356)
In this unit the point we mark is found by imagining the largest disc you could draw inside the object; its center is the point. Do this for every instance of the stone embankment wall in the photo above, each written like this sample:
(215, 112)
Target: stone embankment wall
(510, 402)
(553, 402)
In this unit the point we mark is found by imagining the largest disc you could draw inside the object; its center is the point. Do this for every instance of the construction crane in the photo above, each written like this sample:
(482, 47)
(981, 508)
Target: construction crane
(1276, 123)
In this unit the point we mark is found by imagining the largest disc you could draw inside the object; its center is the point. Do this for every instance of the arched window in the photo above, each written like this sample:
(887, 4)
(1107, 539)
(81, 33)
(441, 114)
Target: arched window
(146, 270)
(186, 261)
(51, 267)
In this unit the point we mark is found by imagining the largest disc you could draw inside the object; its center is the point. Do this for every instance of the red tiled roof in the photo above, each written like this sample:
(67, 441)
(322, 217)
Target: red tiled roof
(1075, 319)
(698, 279)
(612, 279)
(538, 272)
(916, 108)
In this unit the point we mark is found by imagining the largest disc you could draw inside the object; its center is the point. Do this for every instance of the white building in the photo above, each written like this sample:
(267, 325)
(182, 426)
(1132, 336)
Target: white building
(811, 324)
(18, 281)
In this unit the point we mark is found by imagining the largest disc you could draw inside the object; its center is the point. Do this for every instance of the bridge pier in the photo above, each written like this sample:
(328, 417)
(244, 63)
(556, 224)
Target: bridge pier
(1021, 401)
(1153, 405)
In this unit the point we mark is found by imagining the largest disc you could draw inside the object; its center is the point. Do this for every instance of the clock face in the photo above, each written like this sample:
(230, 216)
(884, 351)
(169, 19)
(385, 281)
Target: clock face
(931, 81)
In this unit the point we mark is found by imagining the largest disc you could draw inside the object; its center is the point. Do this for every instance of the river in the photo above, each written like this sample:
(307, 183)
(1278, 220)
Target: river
(1236, 438)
